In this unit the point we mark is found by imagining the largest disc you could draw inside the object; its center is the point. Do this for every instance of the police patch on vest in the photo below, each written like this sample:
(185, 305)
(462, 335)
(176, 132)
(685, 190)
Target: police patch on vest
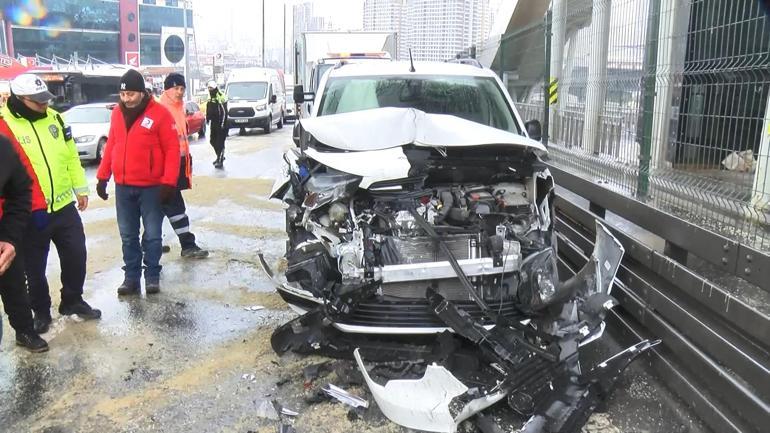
(54, 131)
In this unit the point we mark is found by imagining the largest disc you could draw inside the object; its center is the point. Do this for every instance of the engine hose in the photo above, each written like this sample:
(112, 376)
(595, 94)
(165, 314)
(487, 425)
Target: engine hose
(455, 265)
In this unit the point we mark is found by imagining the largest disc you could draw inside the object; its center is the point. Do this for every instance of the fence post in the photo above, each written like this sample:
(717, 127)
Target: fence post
(648, 110)
(547, 75)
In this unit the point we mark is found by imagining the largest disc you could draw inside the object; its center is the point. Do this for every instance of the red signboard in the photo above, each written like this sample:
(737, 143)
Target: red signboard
(132, 58)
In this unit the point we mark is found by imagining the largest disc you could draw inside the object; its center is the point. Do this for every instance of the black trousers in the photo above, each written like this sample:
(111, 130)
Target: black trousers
(176, 212)
(14, 295)
(217, 138)
(65, 229)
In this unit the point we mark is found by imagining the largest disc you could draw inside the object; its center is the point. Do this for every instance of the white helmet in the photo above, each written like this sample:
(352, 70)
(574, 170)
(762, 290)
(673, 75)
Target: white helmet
(211, 84)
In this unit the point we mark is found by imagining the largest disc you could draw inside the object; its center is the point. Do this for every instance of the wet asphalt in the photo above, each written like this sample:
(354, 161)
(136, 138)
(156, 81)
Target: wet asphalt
(196, 357)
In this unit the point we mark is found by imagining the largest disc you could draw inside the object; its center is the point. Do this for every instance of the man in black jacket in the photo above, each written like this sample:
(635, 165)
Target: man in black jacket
(15, 210)
(216, 114)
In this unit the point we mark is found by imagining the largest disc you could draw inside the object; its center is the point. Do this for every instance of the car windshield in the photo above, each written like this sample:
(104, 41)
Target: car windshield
(478, 99)
(88, 115)
(250, 91)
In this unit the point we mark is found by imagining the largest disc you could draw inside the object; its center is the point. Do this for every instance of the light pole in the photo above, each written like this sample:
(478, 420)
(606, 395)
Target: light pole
(186, 51)
(263, 33)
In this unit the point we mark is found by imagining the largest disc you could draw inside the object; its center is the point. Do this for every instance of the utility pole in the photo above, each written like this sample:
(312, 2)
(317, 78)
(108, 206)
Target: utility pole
(284, 38)
(263, 33)
(186, 51)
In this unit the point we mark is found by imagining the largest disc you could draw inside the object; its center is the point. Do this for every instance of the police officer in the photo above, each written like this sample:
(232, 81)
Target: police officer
(216, 113)
(50, 148)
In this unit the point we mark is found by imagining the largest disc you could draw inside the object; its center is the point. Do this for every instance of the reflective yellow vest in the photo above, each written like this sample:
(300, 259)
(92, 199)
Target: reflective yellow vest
(53, 154)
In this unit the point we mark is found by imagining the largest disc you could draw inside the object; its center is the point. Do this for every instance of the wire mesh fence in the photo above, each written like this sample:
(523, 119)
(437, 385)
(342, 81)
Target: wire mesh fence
(665, 100)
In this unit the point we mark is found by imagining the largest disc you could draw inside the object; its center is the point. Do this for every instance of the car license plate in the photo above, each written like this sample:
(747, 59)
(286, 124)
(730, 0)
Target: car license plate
(240, 120)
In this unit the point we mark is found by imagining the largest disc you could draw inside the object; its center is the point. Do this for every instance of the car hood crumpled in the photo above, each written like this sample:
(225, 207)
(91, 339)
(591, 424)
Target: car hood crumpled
(388, 127)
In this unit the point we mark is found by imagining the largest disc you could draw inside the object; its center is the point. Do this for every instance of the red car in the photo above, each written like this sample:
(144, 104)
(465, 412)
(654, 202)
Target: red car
(196, 120)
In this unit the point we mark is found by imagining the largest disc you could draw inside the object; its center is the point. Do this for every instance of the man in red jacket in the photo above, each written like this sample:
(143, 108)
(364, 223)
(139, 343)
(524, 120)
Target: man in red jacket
(18, 193)
(142, 153)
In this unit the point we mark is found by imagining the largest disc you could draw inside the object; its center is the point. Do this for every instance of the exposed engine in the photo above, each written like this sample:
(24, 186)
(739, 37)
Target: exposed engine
(414, 240)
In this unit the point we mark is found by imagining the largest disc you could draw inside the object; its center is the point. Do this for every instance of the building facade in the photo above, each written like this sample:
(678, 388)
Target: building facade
(86, 28)
(439, 29)
(383, 15)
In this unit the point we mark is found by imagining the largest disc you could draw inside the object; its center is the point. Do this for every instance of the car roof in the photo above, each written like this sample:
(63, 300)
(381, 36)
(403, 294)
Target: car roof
(402, 68)
(94, 105)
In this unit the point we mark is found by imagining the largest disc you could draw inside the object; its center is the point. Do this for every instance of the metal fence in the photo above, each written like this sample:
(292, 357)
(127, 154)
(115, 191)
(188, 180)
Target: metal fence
(664, 100)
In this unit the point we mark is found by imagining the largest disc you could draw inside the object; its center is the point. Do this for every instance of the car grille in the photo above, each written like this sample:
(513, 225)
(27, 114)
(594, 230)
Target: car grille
(241, 112)
(388, 312)
(418, 314)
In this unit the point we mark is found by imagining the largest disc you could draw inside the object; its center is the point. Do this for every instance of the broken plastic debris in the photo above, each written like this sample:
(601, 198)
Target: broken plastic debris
(249, 377)
(344, 396)
(283, 410)
(286, 428)
(267, 410)
(254, 308)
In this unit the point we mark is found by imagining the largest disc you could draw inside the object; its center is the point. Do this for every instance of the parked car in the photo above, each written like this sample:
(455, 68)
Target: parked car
(291, 107)
(256, 99)
(196, 119)
(417, 203)
(90, 125)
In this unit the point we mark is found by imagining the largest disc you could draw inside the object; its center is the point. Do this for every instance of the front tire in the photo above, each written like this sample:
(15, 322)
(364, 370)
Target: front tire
(269, 124)
(100, 150)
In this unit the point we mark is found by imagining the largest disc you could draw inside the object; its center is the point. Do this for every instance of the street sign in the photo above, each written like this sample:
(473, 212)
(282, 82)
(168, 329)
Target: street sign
(219, 59)
(132, 58)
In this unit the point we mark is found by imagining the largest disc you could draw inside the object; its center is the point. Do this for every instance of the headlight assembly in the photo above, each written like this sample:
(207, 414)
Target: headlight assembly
(84, 138)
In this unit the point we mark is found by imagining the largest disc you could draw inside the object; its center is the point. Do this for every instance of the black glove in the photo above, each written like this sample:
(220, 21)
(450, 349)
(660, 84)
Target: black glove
(40, 219)
(166, 192)
(101, 190)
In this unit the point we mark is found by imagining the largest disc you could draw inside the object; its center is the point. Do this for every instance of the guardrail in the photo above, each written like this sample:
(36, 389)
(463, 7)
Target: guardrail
(716, 348)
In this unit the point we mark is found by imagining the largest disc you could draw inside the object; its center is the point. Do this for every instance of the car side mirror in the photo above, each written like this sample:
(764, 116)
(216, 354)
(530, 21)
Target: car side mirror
(534, 129)
(299, 93)
(273, 99)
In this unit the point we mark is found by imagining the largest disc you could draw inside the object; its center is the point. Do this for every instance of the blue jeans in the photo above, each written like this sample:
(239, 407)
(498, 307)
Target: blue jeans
(132, 204)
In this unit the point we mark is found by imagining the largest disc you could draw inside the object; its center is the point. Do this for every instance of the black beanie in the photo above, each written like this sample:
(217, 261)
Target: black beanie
(174, 79)
(132, 80)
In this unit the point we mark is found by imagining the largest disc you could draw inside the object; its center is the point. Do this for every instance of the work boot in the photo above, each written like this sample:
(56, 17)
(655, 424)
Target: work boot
(152, 285)
(42, 323)
(219, 163)
(31, 341)
(194, 252)
(81, 308)
(129, 287)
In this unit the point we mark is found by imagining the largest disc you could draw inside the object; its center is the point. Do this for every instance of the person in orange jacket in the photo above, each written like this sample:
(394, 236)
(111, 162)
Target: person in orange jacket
(174, 209)
(142, 154)
(20, 197)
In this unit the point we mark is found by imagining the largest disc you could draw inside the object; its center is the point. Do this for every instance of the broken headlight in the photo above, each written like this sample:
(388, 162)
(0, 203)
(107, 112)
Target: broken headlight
(324, 188)
(539, 280)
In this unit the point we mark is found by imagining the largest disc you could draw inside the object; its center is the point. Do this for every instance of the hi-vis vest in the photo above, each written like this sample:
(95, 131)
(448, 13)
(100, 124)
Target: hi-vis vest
(53, 154)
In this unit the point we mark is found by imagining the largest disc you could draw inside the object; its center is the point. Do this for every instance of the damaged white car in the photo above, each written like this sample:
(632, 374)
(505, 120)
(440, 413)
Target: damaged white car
(419, 223)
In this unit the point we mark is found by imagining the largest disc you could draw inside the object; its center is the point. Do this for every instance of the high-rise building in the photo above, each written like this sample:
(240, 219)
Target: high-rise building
(306, 19)
(382, 15)
(439, 29)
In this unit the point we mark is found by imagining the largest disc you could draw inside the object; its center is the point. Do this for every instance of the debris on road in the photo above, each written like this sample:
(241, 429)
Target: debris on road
(266, 410)
(344, 396)
(254, 308)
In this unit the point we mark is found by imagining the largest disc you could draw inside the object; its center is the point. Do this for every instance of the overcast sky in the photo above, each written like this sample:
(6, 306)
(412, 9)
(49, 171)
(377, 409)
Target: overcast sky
(244, 17)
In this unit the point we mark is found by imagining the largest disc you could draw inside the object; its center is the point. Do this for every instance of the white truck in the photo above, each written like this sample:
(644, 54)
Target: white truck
(256, 99)
(316, 52)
